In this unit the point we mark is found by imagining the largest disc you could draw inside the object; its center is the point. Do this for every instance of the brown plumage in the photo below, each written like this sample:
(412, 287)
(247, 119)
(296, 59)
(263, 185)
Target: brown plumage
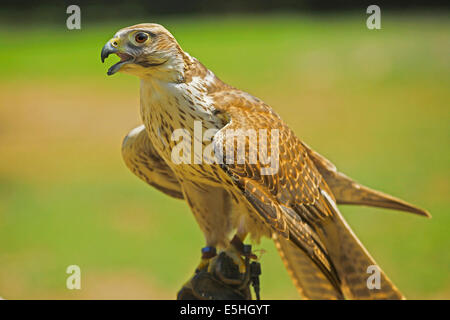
(295, 205)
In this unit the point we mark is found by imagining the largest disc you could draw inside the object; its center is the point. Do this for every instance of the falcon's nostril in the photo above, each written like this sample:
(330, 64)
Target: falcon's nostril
(114, 42)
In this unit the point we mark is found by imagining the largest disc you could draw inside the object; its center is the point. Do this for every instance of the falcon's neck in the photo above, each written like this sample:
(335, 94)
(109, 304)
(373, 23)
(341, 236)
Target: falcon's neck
(191, 93)
(167, 106)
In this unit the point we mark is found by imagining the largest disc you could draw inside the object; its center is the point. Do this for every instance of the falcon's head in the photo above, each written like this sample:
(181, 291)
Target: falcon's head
(146, 50)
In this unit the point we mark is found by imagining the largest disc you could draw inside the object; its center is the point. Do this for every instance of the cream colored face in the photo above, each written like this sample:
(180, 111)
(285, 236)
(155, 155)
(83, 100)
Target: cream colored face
(142, 50)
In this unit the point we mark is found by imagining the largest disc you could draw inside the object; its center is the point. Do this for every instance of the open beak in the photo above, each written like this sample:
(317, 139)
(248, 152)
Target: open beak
(112, 47)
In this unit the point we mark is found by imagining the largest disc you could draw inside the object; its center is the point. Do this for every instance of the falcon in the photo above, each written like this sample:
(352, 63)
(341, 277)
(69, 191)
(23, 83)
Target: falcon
(295, 205)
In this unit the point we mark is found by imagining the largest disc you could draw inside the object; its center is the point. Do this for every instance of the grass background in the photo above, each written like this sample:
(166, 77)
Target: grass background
(376, 103)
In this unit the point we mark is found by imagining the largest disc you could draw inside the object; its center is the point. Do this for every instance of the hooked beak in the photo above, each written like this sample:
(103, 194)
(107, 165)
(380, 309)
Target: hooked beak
(112, 47)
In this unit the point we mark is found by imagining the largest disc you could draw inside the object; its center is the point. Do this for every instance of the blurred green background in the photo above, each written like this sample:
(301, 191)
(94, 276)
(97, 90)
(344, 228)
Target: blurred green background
(376, 103)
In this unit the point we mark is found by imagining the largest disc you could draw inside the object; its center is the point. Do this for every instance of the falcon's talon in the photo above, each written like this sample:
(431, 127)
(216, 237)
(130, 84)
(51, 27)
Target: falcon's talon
(224, 276)
(208, 253)
(244, 249)
(203, 265)
(237, 257)
(230, 269)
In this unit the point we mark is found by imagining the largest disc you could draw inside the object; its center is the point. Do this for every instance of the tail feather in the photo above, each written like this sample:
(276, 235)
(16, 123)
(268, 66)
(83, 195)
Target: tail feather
(308, 279)
(354, 266)
(352, 262)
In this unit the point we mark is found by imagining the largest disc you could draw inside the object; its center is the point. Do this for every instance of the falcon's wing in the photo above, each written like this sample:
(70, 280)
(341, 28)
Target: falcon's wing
(142, 159)
(290, 200)
(294, 201)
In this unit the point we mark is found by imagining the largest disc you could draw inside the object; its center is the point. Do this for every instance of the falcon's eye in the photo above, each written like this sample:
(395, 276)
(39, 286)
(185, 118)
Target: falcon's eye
(141, 37)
